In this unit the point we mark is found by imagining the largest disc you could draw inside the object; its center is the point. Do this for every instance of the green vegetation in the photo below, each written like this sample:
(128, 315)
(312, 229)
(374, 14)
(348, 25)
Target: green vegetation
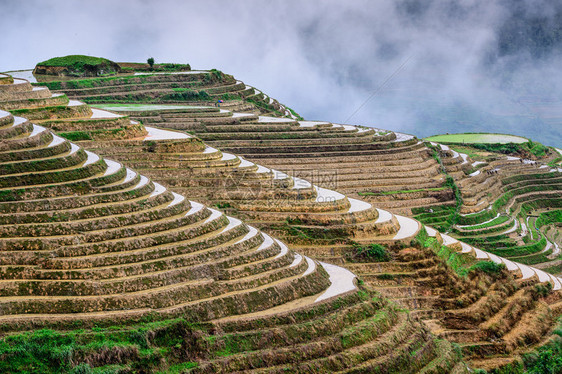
(75, 61)
(443, 218)
(523, 149)
(94, 82)
(542, 177)
(97, 134)
(475, 218)
(146, 347)
(547, 359)
(217, 74)
(488, 267)
(508, 148)
(555, 162)
(295, 114)
(458, 262)
(523, 250)
(163, 67)
(261, 104)
(78, 66)
(502, 245)
(470, 151)
(550, 217)
(76, 135)
(171, 67)
(223, 205)
(556, 269)
(230, 96)
(463, 264)
(186, 94)
(532, 252)
(121, 80)
(369, 253)
(534, 259)
(496, 221)
(474, 138)
(439, 217)
(176, 345)
(537, 149)
(450, 182)
(496, 143)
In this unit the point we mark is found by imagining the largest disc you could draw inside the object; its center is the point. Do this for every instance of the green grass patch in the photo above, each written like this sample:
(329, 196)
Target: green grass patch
(471, 152)
(477, 138)
(432, 210)
(151, 347)
(550, 217)
(76, 135)
(475, 218)
(78, 66)
(179, 368)
(523, 250)
(555, 162)
(495, 143)
(533, 259)
(458, 262)
(497, 221)
(488, 267)
(265, 106)
(74, 60)
(295, 114)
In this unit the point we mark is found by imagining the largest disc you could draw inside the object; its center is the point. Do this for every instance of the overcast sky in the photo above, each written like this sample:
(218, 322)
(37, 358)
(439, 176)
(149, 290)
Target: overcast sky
(450, 63)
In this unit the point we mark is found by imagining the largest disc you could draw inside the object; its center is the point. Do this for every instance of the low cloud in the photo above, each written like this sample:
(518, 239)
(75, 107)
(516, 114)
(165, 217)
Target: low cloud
(472, 65)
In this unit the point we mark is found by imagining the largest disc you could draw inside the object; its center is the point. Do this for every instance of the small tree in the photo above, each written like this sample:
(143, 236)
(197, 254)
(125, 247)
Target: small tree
(150, 62)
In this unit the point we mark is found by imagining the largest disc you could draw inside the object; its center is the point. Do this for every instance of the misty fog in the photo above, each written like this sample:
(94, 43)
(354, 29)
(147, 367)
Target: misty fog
(456, 66)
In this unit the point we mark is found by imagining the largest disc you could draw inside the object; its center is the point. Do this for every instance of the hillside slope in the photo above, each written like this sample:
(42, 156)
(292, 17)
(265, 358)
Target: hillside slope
(137, 278)
(327, 224)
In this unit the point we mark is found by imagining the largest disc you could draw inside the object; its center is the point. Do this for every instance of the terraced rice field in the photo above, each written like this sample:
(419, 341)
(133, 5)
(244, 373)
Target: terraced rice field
(477, 138)
(280, 279)
(141, 107)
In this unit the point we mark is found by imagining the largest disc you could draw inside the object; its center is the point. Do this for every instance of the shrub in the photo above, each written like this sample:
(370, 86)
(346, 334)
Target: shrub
(547, 359)
(488, 267)
(82, 369)
(370, 253)
(542, 290)
(217, 74)
(173, 67)
(76, 135)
